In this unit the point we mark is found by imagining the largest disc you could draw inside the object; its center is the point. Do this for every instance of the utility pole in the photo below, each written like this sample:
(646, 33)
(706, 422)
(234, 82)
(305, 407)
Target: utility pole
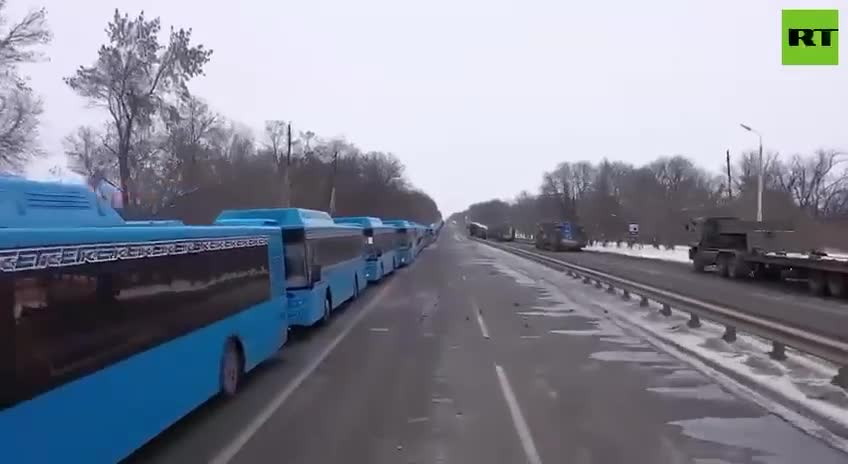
(287, 178)
(333, 184)
(760, 169)
(729, 179)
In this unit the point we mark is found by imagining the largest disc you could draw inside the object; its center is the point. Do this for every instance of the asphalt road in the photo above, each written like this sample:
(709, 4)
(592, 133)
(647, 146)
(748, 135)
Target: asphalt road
(455, 360)
(785, 303)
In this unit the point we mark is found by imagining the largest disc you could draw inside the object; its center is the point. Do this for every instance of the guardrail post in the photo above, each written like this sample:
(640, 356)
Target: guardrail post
(644, 302)
(598, 284)
(841, 378)
(778, 351)
(729, 334)
(610, 289)
(694, 321)
(625, 295)
(666, 310)
(587, 280)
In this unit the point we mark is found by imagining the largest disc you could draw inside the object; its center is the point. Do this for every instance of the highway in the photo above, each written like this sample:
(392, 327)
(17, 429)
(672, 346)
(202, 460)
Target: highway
(460, 359)
(826, 316)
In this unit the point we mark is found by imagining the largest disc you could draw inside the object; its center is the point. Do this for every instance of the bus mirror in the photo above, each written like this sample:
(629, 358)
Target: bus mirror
(316, 272)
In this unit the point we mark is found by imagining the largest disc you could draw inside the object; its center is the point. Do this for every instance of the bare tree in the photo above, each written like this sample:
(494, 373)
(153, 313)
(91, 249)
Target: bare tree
(134, 77)
(814, 182)
(19, 107)
(88, 154)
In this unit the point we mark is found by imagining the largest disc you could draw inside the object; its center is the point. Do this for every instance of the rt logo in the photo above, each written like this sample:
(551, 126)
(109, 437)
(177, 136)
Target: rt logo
(810, 37)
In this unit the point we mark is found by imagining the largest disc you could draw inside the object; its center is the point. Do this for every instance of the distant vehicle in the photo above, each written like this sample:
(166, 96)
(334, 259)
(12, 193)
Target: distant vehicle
(111, 332)
(325, 261)
(475, 229)
(765, 250)
(380, 248)
(405, 237)
(502, 233)
(560, 236)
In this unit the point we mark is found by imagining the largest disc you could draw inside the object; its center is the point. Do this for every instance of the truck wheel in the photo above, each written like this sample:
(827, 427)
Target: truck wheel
(723, 265)
(817, 283)
(836, 284)
(738, 268)
(698, 263)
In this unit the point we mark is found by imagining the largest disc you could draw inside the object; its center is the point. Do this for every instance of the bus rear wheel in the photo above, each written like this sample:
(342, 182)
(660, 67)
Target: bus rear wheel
(232, 368)
(328, 307)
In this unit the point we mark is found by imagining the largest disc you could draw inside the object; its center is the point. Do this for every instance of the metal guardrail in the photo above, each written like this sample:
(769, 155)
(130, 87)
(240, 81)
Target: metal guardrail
(781, 335)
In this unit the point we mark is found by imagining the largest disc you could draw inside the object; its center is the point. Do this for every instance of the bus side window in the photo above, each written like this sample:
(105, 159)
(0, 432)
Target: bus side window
(7, 339)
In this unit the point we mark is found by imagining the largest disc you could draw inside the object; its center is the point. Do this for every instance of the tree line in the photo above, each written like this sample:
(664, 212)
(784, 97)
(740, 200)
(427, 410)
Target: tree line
(170, 153)
(809, 191)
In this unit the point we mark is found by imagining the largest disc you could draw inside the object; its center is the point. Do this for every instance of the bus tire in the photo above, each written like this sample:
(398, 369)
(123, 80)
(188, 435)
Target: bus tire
(355, 287)
(328, 308)
(232, 368)
(382, 271)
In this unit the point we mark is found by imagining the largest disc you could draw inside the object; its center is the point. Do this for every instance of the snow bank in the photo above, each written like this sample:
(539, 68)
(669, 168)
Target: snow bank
(678, 254)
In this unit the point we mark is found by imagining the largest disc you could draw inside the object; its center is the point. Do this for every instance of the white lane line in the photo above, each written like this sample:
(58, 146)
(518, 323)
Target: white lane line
(379, 329)
(229, 452)
(518, 419)
(480, 320)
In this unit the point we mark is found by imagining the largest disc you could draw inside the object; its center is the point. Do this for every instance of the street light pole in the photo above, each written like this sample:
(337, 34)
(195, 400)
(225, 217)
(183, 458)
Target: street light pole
(760, 169)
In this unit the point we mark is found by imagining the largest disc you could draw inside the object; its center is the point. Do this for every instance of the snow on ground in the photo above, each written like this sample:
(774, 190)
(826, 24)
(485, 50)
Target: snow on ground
(801, 380)
(679, 253)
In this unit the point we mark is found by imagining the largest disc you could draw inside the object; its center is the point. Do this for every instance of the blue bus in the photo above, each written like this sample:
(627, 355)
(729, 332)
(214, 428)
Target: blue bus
(325, 261)
(110, 333)
(381, 256)
(419, 233)
(404, 241)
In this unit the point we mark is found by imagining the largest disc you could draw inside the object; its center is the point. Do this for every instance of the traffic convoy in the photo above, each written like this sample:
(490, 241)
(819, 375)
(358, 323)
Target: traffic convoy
(550, 235)
(113, 330)
(733, 247)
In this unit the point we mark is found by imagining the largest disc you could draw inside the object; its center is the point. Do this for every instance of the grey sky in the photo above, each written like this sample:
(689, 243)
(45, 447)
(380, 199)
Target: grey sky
(478, 97)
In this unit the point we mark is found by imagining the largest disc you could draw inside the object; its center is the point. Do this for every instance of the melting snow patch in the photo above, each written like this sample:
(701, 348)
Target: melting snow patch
(578, 332)
(631, 356)
(709, 392)
(548, 313)
(771, 438)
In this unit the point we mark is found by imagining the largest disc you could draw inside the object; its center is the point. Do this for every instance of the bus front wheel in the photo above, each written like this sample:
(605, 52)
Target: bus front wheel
(231, 368)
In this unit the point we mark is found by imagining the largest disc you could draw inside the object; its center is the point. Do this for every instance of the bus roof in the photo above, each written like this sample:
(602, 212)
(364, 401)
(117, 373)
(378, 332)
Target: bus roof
(286, 218)
(367, 222)
(164, 222)
(399, 223)
(30, 204)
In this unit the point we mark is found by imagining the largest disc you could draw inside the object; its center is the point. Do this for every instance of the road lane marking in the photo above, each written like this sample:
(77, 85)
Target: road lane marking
(518, 419)
(229, 452)
(378, 329)
(480, 320)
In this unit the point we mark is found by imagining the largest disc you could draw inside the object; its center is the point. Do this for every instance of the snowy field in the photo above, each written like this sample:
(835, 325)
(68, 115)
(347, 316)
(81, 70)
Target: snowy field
(801, 383)
(679, 254)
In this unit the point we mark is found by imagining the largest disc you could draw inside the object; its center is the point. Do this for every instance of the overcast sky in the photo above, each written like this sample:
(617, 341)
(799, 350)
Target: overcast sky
(477, 97)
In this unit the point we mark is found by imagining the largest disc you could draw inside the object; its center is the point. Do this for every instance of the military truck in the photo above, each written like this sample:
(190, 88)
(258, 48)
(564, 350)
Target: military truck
(475, 229)
(502, 233)
(560, 236)
(739, 249)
